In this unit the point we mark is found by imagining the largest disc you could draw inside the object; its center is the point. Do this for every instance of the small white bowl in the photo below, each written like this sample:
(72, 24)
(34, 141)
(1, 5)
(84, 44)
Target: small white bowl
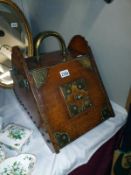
(15, 136)
(22, 164)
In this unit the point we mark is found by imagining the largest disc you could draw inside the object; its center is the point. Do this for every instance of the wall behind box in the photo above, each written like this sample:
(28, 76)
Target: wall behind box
(107, 27)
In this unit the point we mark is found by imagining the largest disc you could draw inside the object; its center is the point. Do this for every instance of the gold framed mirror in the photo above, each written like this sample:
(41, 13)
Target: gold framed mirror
(14, 31)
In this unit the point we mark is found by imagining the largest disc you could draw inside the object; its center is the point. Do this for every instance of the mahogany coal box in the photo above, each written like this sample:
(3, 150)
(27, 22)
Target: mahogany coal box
(62, 90)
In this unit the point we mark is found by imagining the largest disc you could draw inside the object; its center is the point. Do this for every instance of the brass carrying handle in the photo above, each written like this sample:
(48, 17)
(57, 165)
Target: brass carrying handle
(46, 34)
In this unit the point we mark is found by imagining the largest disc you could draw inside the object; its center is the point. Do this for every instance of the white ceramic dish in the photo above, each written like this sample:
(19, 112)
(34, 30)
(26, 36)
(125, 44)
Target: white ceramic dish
(15, 136)
(2, 153)
(19, 165)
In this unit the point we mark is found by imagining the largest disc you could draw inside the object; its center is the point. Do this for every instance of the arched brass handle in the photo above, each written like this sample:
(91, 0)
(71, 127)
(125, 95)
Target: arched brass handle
(46, 34)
